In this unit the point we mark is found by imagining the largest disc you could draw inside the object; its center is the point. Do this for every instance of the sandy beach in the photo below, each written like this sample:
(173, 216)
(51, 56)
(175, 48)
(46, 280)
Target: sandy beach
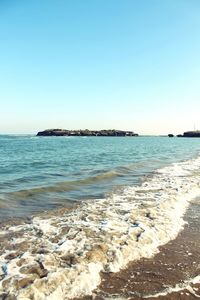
(142, 243)
(170, 275)
(100, 150)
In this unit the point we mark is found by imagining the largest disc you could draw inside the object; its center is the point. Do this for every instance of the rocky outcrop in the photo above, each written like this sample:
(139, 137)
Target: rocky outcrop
(86, 132)
(191, 133)
(195, 133)
(170, 135)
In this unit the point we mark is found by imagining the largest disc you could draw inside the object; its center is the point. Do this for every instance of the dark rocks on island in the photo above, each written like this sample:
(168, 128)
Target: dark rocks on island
(195, 133)
(170, 135)
(86, 132)
(191, 133)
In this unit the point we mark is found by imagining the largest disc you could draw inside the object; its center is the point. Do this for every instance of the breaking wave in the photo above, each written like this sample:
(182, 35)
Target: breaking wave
(62, 256)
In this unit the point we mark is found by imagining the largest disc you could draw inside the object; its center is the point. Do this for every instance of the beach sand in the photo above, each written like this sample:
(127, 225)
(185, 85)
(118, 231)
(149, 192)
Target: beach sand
(173, 268)
(166, 276)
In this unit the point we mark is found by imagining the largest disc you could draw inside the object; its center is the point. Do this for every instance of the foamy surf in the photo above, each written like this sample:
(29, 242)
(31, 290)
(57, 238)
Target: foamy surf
(186, 285)
(62, 257)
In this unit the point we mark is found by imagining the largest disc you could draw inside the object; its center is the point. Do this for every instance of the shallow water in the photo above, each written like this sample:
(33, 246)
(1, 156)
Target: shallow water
(62, 256)
(39, 173)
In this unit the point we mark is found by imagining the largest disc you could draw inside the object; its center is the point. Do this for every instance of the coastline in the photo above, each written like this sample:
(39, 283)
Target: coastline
(173, 273)
(166, 276)
(63, 256)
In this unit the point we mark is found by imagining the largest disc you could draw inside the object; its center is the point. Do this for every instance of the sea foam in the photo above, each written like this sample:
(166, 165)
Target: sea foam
(67, 253)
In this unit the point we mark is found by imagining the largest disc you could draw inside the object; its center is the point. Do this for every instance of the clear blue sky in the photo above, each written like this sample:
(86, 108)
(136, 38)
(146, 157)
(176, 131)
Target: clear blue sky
(96, 64)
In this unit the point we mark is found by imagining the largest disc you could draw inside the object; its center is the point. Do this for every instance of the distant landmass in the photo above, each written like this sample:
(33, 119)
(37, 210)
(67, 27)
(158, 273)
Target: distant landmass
(194, 133)
(86, 132)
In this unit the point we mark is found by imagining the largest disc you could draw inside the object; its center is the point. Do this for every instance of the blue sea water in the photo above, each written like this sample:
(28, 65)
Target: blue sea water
(40, 173)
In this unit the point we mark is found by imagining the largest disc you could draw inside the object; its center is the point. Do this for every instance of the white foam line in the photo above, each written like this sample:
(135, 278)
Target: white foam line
(103, 235)
(178, 288)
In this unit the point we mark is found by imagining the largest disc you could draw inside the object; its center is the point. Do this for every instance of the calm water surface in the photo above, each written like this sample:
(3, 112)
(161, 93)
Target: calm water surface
(39, 173)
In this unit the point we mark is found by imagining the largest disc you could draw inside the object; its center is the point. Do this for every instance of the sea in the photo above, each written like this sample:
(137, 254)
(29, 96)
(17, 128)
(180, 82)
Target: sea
(39, 173)
(116, 200)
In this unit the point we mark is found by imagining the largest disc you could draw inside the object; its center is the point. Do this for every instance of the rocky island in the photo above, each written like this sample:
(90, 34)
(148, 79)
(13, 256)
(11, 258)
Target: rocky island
(192, 134)
(86, 132)
(195, 133)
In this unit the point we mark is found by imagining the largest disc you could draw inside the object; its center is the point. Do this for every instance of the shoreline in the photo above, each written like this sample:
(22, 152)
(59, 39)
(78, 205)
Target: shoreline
(169, 275)
(63, 255)
(166, 276)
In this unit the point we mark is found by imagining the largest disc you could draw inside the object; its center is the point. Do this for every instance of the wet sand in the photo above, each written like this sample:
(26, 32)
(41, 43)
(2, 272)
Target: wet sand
(155, 278)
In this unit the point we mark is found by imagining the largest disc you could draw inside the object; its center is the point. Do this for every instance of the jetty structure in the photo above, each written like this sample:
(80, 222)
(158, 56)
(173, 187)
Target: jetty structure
(86, 132)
